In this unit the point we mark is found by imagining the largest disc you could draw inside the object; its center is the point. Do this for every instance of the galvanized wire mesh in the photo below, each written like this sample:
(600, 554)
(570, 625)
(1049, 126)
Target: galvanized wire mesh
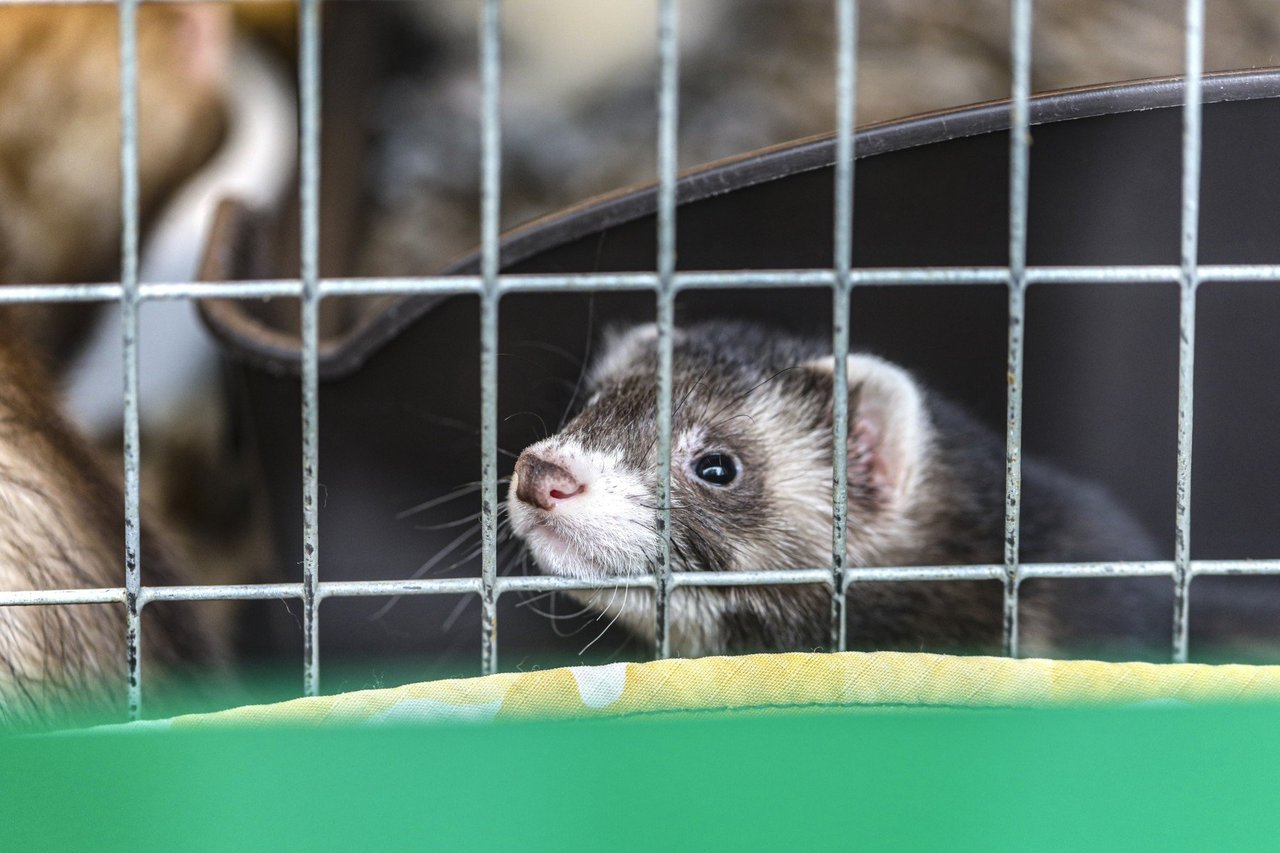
(666, 282)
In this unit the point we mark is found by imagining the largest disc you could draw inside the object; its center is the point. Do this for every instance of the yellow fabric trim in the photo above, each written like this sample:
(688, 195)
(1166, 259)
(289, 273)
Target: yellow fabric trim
(855, 679)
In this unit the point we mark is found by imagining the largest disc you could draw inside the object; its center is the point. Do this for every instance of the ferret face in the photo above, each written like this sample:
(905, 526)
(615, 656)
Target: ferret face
(751, 460)
(585, 500)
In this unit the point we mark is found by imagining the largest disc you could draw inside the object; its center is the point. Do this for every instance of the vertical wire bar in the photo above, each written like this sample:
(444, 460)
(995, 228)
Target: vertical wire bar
(668, 81)
(128, 34)
(309, 191)
(490, 206)
(1187, 322)
(1019, 166)
(846, 105)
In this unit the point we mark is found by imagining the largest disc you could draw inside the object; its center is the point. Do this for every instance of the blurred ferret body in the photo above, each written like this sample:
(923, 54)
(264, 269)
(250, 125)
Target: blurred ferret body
(62, 527)
(60, 202)
(61, 509)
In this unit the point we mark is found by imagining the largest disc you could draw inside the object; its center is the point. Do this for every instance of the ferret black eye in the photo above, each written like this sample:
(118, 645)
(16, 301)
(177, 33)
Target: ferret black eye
(718, 469)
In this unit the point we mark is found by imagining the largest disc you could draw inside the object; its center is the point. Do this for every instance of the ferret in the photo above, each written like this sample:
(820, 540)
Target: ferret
(751, 474)
(62, 527)
(60, 214)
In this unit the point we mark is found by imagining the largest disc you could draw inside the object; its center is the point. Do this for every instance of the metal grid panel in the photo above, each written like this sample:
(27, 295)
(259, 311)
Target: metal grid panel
(665, 283)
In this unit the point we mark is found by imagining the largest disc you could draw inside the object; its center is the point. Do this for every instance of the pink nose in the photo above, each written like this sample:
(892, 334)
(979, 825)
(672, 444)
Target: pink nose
(543, 483)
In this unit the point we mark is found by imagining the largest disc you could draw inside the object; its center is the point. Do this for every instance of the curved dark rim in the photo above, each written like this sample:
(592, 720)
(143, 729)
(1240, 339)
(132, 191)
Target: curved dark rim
(346, 355)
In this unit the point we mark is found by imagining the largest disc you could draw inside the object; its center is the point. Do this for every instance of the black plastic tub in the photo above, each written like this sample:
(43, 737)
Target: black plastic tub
(400, 398)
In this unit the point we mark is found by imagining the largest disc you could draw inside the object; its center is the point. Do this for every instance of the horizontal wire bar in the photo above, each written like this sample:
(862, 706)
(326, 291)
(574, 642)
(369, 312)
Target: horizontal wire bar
(1104, 275)
(1237, 272)
(547, 583)
(1234, 567)
(261, 289)
(544, 583)
(776, 577)
(35, 597)
(1151, 568)
(907, 574)
(363, 589)
(18, 293)
(470, 285)
(229, 592)
(440, 285)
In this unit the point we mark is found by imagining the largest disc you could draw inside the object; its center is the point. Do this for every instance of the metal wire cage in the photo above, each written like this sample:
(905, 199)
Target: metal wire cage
(665, 283)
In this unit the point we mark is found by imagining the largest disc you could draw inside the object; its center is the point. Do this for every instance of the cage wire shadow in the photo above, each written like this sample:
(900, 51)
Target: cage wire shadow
(665, 283)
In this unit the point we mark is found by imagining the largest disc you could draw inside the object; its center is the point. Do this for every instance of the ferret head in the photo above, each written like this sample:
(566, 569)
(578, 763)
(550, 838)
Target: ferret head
(751, 460)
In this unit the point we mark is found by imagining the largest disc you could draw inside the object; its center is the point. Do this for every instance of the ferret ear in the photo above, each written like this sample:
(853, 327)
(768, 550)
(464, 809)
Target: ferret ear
(888, 427)
(622, 346)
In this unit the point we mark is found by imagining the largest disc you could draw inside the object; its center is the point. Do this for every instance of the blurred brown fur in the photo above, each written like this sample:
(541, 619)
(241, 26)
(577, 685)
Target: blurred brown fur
(60, 210)
(753, 73)
(61, 521)
(61, 528)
